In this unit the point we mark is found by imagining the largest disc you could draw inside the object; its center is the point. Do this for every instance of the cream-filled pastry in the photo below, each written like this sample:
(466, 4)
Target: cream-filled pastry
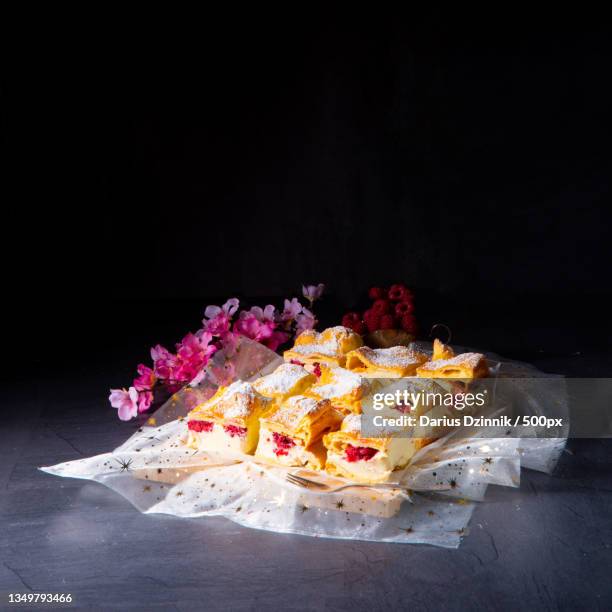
(287, 380)
(344, 389)
(329, 346)
(393, 362)
(291, 433)
(464, 366)
(367, 460)
(229, 420)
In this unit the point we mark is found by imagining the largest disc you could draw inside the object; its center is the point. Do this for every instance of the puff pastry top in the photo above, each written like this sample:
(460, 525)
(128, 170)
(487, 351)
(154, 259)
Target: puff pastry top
(393, 362)
(237, 403)
(344, 389)
(466, 365)
(288, 379)
(329, 346)
(441, 351)
(350, 433)
(301, 417)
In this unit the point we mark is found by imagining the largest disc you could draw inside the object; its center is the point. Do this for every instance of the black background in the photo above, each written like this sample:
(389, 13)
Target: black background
(154, 169)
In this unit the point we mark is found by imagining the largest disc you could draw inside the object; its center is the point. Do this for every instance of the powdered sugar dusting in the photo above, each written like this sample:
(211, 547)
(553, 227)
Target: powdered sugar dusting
(395, 356)
(326, 343)
(344, 382)
(470, 360)
(291, 413)
(282, 380)
(329, 348)
(237, 401)
(352, 422)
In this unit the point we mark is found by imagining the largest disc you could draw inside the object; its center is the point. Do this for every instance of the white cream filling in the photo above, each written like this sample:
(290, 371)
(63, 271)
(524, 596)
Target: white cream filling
(218, 440)
(297, 455)
(380, 466)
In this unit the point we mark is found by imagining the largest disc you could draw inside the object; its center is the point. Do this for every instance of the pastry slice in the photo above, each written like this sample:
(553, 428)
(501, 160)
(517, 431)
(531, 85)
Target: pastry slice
(464, 366)
(329, 346)
(393, 362)
(441, 351)
(287, 380)
(291, 433)
(229, 420)
(367, 460)
(344, 389)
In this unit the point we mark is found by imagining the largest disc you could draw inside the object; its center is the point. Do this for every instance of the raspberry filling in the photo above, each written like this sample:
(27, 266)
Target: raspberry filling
(359, 453)
(283, 444)
(234, 430)
(200, 425)
(296, 362)
(316, 370)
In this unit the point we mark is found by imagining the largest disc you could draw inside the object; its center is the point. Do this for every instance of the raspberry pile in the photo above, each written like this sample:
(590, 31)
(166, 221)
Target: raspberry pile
(391, 308)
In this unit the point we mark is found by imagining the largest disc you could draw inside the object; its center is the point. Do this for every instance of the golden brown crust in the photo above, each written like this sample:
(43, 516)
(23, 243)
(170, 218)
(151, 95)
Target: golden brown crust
(287, 380)
(464, 366)
(329, 346)
(239, 403)
(441, 351)
(302, 417)
(344, 389)
(393, 362)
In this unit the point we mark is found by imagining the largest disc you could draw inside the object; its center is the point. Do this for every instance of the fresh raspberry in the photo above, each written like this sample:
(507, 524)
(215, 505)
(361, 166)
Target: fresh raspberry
(358, 453)
(283, 444)
(381, 307)
(377, 293)
(388, 321)
(234, 430)
(316, 369)
(400, 293)
(372, 320)
(409, 323)
(404, 308)
(200, 425)
(360, 328)
(350, 318)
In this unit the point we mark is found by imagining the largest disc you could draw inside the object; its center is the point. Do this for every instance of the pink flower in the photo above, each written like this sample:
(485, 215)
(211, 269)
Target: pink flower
(193, 354)
(146, 378)
(218, 318)
(268, 314)
(248, 325)
(145, 399)
(305, 320)
(292, 310)
(126, 402)
(276, 339)
(313, 292)
(164, 362)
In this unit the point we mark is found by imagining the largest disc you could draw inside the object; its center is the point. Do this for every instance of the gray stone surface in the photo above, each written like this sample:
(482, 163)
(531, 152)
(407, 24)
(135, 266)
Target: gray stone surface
(545, 546)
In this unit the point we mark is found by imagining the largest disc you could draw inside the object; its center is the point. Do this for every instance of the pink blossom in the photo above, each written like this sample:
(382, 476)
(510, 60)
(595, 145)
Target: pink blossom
(193, 353)
(126, 402)
(292, 310)
(146, 378)
(145, 399)
(276, 339)
(313, 292)
(268, 314)
(218, 318)
(248, 325)
(305, 320)
(164, 362)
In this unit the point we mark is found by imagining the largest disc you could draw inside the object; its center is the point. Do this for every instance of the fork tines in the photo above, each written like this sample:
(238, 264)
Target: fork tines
(303, 482)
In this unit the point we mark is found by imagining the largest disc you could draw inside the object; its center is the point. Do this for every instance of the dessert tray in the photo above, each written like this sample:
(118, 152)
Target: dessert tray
(271, 448)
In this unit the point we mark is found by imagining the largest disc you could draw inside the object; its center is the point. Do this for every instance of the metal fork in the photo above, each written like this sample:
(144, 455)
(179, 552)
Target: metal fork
(320, 487)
